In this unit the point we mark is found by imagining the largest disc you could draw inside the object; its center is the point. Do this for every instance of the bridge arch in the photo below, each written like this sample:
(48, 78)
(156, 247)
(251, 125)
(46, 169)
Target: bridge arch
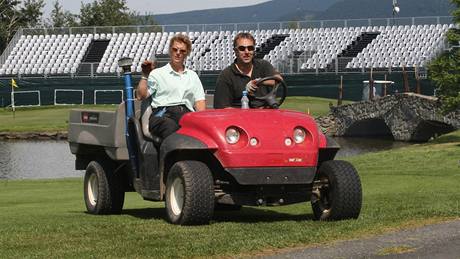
(405, 117)
(427, 129)
(372, 127)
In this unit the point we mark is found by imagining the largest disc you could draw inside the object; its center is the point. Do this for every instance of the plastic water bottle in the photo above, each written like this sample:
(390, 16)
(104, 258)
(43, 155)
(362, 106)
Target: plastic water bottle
(245, 100)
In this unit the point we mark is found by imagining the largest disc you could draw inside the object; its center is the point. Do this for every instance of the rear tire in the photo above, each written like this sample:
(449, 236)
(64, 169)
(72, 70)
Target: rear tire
(189, 194)
(103, 189)
(337, 192)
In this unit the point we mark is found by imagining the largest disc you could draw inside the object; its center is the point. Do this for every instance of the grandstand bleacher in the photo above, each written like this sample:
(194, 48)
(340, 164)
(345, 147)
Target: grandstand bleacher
(313, 58)
(331, 49)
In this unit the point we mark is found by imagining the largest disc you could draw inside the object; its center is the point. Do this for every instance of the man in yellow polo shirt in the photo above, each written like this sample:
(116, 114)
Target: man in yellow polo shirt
(175, 90)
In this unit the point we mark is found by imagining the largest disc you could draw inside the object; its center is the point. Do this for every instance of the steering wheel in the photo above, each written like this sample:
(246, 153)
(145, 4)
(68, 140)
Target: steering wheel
(270, 99)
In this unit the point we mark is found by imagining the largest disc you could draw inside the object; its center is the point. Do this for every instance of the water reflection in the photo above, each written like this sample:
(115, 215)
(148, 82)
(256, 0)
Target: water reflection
(52, 159)
(36, 160)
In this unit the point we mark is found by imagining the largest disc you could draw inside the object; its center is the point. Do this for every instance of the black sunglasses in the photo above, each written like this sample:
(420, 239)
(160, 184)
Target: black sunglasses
(181, 51)
(243, 48)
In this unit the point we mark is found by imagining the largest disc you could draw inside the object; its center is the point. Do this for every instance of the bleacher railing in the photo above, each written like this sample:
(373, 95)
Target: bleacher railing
(242, 26)
(11, 45)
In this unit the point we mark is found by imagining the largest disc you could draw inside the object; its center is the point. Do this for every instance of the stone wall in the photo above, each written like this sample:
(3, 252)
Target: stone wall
(409, 117)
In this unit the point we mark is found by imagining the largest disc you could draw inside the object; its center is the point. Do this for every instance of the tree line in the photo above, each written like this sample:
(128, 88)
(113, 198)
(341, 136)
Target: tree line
(445, 70)
(15, 14)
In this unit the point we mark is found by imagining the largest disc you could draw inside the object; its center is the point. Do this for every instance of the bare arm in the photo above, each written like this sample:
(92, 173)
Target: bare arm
(142, 88)
(200, 105)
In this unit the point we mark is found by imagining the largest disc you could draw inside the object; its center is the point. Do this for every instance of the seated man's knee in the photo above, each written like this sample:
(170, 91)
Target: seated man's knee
(162, 126)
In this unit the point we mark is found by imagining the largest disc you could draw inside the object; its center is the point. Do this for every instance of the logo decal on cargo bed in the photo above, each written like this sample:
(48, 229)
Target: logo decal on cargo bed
(90, 117)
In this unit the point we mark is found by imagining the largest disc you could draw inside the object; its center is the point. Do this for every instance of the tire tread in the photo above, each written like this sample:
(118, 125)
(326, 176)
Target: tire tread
(347, 190)
(199, 193)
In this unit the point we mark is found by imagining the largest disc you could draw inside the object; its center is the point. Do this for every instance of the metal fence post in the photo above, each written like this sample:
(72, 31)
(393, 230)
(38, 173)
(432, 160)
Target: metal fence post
(336, 65)
(317, 66)
(339, 99)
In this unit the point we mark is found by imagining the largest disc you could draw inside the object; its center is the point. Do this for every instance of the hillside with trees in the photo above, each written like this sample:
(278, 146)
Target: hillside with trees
(275, 10)
(444, 71)
(294, 10)
(363, 9)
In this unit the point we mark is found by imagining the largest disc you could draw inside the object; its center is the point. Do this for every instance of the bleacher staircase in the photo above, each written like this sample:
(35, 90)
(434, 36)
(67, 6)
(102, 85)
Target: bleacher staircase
(270, 44)
(352, 50)
(93, 55)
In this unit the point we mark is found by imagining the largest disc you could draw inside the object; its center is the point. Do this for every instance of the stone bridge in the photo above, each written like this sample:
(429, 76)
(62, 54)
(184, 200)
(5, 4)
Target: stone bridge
(406, 117)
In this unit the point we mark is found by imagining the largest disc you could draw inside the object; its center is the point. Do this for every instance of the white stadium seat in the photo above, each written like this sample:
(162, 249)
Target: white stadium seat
(395, 45)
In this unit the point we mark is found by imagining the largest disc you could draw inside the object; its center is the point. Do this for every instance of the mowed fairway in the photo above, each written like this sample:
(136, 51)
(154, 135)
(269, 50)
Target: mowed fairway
(402, 188)
(40, 119)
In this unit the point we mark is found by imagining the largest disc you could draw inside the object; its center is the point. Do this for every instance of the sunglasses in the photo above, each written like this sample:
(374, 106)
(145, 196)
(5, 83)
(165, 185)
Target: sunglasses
(243, 48)
(182, 51)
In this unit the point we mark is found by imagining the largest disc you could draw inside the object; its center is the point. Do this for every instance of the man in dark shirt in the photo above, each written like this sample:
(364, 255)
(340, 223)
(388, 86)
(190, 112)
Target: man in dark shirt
(242, 75)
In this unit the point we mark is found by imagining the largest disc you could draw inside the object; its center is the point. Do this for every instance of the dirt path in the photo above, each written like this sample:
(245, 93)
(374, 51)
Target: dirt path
(440, 240)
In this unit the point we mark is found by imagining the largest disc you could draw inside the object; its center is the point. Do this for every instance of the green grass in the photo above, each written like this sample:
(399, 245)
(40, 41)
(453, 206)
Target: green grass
(55, 118)
(314, 105)
(405, 187)
(40, 119)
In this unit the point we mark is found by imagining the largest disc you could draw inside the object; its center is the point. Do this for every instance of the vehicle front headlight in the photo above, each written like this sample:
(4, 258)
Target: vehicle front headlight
(299, 135)
(232, 135)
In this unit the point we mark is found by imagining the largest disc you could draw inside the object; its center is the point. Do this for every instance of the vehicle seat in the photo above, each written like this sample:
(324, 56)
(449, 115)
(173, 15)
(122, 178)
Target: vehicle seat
(146, 111)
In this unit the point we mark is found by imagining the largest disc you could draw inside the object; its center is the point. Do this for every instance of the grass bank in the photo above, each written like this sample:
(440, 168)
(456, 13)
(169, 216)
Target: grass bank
(41, 119)
(55, 118)
(402, 188)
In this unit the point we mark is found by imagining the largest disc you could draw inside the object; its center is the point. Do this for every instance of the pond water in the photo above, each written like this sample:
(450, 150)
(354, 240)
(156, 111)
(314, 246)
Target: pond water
(36, 159)
(52, 159)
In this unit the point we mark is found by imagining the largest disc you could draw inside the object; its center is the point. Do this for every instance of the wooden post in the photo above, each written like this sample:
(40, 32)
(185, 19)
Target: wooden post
(339, 99)
(371, 86)
(406, 80)
(385, 87)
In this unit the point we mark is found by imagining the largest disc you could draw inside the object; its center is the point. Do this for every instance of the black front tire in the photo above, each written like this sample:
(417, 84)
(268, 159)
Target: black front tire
(103, 189)
(337, 192)
(189, 194)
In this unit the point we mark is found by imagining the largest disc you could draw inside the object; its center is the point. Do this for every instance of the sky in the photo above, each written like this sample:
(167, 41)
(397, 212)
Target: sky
(158, 6)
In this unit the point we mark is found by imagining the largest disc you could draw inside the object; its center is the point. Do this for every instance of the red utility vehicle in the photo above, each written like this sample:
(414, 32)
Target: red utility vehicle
(218, 159)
